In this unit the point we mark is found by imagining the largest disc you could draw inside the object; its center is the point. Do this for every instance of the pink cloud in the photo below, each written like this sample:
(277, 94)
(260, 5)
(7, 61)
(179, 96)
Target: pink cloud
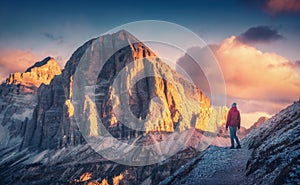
(297, 64)
(279, 6)
(258, 81)
(14, 61)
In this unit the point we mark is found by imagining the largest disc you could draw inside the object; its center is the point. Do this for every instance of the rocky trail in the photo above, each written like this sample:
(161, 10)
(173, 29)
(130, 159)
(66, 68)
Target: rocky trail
(217, 165)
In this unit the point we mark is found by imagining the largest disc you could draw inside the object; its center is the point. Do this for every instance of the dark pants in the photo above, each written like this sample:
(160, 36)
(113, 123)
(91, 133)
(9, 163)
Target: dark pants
(233, 136)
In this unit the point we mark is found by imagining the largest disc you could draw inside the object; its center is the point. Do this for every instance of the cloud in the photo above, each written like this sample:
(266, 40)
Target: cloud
(52, 37)
(297, 64)
(282, 6)
(14, 61)
(187, 65)
(275, 7)
(250, 106)
(260, 34)
(258, 81)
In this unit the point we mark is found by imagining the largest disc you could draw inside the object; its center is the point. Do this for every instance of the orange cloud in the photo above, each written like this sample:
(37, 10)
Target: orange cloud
(250, 73)
(279, 6)
(15, 61)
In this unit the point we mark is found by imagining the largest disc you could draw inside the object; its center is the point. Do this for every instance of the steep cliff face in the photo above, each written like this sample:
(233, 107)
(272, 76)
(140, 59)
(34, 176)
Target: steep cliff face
(135, 87)
(19, 98)
(51, 125)
(218, 119)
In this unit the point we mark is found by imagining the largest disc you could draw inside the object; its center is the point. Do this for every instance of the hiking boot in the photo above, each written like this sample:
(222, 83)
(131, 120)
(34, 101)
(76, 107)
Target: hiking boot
(238, 147)
(232, 147)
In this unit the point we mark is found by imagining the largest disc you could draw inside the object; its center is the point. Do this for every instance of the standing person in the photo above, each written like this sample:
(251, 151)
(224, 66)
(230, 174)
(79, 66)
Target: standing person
(233, 122)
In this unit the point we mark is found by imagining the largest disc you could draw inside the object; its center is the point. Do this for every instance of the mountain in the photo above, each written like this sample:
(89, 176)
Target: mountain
(178, 103)
(19, 97)
(50, 137)
(257, 124)
(54, 124)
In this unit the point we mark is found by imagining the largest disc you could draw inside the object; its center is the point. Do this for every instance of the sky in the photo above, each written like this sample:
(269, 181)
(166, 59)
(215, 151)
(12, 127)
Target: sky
(256, 42)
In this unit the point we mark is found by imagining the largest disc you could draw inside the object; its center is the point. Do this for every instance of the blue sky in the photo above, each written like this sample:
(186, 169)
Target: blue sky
(59, 27)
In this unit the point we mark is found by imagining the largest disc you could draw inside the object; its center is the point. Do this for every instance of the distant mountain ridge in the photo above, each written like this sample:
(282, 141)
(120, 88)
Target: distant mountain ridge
(40, 73)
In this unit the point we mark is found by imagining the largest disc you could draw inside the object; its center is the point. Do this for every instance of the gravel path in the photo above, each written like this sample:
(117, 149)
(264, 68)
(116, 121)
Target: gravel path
(218, 166)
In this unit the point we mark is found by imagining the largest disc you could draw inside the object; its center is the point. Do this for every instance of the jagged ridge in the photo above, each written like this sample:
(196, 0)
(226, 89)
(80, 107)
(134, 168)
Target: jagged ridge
(40, 73)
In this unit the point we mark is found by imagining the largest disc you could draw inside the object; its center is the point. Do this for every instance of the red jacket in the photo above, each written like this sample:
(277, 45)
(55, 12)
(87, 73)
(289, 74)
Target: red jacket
(233, 118)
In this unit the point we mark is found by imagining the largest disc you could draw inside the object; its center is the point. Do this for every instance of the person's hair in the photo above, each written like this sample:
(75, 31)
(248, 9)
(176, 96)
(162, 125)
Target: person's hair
(233, 104)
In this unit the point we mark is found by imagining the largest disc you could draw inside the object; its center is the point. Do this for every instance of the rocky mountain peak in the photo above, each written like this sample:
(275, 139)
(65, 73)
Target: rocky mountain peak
(124, 34)
(259, 122)
(41, 72)
(153, 89)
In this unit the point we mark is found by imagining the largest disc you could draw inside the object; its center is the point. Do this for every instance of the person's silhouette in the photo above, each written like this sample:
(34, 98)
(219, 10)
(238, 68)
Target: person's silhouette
(233, 122)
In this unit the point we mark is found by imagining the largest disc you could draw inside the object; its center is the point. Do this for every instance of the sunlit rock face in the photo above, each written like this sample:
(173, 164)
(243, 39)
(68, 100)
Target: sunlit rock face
(19, 97)
(40, 73)
(218, 118)
(135, 89)
(53, 125)
(156, 99)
